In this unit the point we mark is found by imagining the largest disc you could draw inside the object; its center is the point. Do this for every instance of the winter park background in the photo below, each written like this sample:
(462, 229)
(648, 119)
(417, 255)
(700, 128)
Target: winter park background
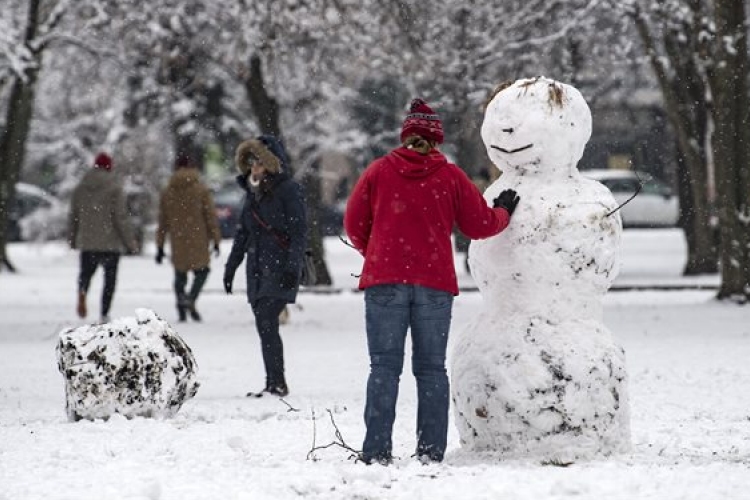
(687, 360)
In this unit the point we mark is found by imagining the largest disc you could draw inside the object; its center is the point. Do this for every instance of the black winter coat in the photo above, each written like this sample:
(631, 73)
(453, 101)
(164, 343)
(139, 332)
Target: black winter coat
(281, 206)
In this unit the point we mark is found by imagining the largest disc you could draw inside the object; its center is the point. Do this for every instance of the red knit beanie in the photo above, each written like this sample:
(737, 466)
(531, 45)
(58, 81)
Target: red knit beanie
(182, 161)
(422, 121)
(103, 161)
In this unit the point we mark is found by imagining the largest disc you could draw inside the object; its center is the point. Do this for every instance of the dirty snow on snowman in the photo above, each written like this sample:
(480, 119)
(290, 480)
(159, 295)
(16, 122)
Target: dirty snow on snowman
(537, 374)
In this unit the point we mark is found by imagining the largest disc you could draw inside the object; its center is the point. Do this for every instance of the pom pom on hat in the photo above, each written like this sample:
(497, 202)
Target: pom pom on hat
(103, 161)
(422, 121)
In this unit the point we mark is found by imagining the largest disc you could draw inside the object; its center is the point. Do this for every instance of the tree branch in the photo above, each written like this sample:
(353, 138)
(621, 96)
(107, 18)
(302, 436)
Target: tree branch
(338, 441)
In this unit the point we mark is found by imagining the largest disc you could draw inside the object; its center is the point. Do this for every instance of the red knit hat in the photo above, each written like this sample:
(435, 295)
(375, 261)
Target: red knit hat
(422, 121)
(182, 161)
(103, 161)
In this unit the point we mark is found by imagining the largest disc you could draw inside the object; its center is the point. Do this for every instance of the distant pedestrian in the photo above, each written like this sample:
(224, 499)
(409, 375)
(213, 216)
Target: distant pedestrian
(187, 216)
(98, 226)
(400, 216)
(271, 238)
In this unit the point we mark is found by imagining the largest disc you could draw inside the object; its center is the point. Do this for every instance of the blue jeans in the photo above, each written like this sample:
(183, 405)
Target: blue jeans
(389, 312)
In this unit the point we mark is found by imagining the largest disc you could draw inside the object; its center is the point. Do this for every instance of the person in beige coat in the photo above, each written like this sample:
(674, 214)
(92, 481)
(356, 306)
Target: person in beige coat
(187, 216)
(99, 227)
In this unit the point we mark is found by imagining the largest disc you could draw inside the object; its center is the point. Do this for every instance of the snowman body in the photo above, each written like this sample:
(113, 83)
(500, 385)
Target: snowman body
(537, 374)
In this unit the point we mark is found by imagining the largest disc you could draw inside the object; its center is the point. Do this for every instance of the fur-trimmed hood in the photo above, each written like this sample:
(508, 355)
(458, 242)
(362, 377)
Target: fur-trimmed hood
(266, 148)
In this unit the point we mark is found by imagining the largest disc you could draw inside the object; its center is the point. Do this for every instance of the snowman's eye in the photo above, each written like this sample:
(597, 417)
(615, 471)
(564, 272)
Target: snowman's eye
(508, 130)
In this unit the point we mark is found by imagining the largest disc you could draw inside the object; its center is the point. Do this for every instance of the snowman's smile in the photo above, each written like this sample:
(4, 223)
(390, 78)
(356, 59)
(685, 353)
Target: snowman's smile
(511, 151)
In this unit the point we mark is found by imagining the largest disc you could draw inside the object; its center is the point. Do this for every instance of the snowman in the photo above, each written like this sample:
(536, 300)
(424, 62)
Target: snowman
(537, 374)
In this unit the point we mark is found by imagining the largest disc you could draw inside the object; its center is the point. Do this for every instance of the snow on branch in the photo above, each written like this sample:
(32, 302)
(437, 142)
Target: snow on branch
(548, 39)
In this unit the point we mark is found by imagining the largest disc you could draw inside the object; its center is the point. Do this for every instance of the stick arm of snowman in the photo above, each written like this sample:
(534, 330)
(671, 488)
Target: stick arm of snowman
(637, 191)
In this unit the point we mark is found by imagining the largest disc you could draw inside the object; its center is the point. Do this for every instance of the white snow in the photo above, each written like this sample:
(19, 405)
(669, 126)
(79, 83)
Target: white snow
(687, 360)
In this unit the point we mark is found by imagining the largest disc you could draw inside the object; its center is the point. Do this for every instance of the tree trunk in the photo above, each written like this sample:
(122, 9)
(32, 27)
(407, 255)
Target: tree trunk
(702, 256)
(731, 148)
(14, 134)
(315, 235)
(264, 106)
(687, 110)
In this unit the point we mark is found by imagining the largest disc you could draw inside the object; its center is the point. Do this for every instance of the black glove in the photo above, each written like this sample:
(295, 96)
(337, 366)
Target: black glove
(159, 255)
(228, 279)
(289, 280)
(217, 252)
(508, 200)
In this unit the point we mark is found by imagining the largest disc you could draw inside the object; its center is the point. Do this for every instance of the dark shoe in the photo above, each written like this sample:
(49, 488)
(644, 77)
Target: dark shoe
(428, 456)
(189, 305)
(426, 459)
(81, 307)
(186, 305)
(194, 313)
(181, 314)
(279, 390)
(384, 459)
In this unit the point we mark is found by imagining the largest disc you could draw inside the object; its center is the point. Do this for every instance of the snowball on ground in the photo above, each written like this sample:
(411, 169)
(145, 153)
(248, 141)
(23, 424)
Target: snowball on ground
(132, 366)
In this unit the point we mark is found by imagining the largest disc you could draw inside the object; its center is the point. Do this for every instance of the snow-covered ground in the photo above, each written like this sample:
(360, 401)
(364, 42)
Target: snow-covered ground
(689, 386)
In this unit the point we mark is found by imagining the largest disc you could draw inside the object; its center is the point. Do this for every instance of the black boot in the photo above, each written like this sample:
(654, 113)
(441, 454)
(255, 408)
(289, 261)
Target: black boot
(199, 279)
(193, 312)
(272, 389)
(279, 390)
(181, 313)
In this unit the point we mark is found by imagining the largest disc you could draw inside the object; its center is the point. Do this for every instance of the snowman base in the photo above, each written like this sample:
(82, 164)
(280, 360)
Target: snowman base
(558, 400)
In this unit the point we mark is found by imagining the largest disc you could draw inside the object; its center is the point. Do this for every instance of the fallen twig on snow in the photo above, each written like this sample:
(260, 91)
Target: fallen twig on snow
(290, 407)
(338, 441)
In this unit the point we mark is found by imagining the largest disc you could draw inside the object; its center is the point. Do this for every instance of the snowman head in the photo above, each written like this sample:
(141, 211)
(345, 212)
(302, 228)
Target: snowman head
(536, 126)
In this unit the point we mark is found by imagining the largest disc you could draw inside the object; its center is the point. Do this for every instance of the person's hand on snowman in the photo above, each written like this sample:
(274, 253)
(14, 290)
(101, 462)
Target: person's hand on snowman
(508, 200)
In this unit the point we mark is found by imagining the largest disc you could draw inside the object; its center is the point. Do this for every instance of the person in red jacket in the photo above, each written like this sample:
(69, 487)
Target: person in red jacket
(399, 217)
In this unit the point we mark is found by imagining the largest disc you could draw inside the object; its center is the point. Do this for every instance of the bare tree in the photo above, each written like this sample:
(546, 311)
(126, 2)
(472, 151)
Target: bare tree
(675, 36)
(15, 130)
(731, 147)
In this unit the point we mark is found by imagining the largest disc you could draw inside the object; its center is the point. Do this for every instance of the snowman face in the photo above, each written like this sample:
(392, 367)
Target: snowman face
(536, 127)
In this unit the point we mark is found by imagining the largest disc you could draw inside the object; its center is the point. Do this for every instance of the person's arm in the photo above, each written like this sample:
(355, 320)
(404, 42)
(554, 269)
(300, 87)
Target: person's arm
(73, 221)
(474, 218)
(358, 215)
(239, 245)
(162, 228)
(212, 221)
(122, 221)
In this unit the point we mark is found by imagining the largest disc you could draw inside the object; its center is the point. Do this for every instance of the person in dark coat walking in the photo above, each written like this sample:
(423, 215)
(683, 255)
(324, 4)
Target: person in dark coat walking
(399, 217)
(271, 235)
(99, 227)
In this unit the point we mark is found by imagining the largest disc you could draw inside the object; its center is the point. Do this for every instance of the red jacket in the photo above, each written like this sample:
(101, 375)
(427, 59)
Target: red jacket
(401, 213)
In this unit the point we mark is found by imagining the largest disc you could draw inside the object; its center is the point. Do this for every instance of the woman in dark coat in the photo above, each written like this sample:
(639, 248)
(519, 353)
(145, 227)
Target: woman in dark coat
(272, 233)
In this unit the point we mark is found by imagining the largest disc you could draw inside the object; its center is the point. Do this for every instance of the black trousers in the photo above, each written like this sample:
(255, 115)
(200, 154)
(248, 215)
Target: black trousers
(109, 261)
(180, 281)
(267, 312)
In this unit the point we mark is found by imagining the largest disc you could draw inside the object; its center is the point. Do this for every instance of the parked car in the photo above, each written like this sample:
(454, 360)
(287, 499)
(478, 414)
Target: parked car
(228, 199)
(35, 214)
(656, 205)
